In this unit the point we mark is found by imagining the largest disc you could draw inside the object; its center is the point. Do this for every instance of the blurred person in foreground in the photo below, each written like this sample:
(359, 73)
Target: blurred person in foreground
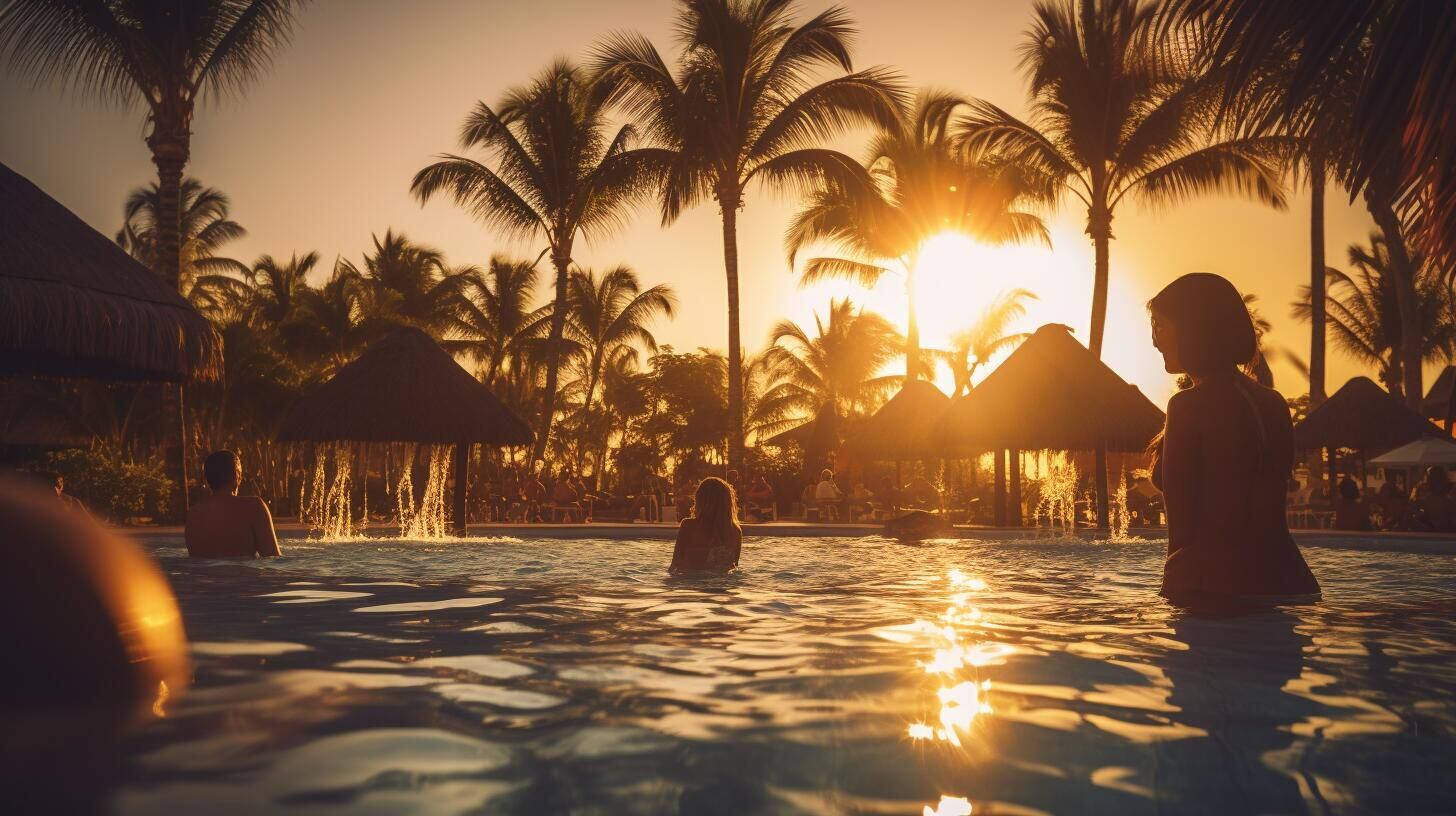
(226, 525)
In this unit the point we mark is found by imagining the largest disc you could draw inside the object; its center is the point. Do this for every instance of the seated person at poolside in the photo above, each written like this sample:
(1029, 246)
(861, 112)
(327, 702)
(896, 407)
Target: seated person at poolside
(1393, 506)
(565, 498)
(1225, 456)
(226, 525)
(1436, 510)
(861, 501)
(1350, 512)
(709, 540)
(828, 496)
(759, 500)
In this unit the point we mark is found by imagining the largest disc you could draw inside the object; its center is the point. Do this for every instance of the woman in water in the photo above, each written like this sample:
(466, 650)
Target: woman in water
(1225, 456)
(710, 539)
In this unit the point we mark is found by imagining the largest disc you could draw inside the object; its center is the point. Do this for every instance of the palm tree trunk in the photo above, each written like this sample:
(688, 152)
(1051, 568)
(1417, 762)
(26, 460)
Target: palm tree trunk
(729, 204)
(169, 153)
(591, 389)
(1100, 225)
(1378, 202)
(912, 329)
(1316, 279)
(561, 260)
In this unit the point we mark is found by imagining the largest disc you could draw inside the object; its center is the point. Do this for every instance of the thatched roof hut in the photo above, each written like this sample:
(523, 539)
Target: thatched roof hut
(1438, 399)
(404, 388)
(1362, 416)
(1051, 393)
(904, 427)
(74, 304)
(818, 433)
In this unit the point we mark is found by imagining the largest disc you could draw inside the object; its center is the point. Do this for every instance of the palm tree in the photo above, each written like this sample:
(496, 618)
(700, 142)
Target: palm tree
(922, 188)
(276, 289)
(495, 320)
(835, 369)
(557, 172)
(410, 284)
(161, 51)
(987, 337)
(1366, 317)
(609, 314)
(742, 106)
(208, 280)
(1113, 116)
(329, 329)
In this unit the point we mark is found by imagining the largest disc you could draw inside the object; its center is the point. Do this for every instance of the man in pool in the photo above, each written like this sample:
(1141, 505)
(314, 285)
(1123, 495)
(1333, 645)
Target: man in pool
(226, 525)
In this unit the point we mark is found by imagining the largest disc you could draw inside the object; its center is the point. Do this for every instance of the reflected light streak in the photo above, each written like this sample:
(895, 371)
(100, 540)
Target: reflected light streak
(962, 702)
(949, 806)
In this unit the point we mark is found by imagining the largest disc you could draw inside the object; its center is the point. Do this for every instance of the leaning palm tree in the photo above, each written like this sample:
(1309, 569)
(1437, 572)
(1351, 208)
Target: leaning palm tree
(209, 280)
(163, 52)
(741, 107)
(922, 188)
(1365, 315)
(1115, 117)
(495, 320)
(836, 369)
(610, 313)
(555, 171)
(986, 338)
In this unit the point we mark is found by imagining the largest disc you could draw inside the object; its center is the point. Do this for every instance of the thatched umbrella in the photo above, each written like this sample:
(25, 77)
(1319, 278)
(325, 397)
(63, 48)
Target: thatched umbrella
(904, 427)
(74, 304)
(1053, 393)
(405, 388)
(1361, 416)
(1440, 401)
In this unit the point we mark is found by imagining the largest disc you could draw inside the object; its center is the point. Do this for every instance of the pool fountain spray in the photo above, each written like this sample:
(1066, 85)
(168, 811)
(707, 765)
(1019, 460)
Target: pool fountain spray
(1057, 507)
(428, 520)
(326, 505)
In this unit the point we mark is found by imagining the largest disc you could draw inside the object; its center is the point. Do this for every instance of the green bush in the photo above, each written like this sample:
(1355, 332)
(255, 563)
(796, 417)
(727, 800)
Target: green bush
(111, 487)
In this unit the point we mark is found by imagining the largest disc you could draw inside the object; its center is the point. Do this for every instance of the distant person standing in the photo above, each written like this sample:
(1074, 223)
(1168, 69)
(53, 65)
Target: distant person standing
(709, 540)
(67, 500)
(226, 525)
(1351, 513)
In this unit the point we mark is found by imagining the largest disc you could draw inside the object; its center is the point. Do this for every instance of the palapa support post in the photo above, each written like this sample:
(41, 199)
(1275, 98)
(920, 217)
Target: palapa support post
(462, 484)
(1014, 488)
(1100, 464)
(1330, 452)
(998, 501)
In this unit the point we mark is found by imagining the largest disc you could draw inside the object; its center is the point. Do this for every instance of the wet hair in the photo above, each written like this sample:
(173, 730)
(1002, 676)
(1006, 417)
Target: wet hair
(715, 506)
(1211, 320)
(222, 469)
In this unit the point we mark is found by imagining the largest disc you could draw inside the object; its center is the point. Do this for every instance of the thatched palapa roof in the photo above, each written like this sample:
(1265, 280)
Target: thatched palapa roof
(821, 432)
(73, 303)
(904, 427)
(404, 388)
(1435, 405)
(1051, 393)
(1362, 416)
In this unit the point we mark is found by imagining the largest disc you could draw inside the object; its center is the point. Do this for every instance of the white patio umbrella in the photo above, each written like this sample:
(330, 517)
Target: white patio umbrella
(1420, 453)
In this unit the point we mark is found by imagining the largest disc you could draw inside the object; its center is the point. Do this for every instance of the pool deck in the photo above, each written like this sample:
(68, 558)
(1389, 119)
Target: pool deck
(1431, 543)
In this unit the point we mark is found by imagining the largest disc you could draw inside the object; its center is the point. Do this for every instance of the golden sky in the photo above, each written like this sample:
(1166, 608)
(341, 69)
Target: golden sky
(319, 154)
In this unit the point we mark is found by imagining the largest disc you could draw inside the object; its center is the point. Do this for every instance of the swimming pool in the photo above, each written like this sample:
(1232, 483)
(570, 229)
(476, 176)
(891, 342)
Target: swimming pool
(829, 676)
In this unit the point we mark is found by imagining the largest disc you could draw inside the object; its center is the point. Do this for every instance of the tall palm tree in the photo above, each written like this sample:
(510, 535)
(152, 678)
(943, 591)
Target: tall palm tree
(611, 313)
(163, 52)
(495, 320)
(209, 280)
(1115, 116)
(836, 368)
(410, 284)
(922, 188)
(1366, 317)
(555, 171)
(741, 107)
(987, 337)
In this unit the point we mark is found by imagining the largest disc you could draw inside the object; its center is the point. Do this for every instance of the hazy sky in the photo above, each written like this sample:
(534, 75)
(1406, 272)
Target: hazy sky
(319, 154)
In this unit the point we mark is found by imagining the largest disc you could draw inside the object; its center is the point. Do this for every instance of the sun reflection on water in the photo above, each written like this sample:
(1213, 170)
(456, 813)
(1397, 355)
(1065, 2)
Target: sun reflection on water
(949, 806)
(962, 698)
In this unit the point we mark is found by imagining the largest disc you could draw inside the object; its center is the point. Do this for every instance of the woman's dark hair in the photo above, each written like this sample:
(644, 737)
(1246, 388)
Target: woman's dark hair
(716, 508)
(1211, 322)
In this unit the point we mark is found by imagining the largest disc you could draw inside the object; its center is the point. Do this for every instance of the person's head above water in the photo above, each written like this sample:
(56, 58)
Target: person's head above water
(715, 506)
(223, 471)
(1202, 326)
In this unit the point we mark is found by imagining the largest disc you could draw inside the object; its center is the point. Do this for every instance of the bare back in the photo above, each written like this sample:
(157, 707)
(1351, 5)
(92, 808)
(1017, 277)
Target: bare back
(227, 526)
(698, 550)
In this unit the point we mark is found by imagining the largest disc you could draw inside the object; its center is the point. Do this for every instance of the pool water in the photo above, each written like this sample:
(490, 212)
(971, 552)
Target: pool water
(828, 676)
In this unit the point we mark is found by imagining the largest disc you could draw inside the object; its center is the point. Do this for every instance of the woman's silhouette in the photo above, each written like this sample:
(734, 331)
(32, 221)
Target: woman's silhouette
(710, 539)
(1225, 456)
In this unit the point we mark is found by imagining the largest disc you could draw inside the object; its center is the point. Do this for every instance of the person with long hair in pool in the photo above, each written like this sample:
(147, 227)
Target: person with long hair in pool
(1225, 455)
(709, 540)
